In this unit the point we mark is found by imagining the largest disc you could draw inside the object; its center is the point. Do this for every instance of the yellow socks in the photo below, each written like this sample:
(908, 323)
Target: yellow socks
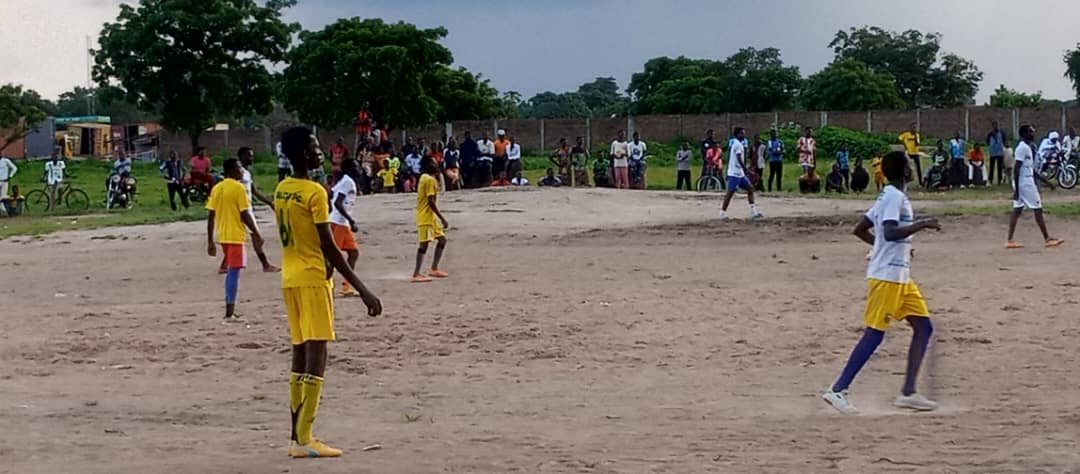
(311, 391)
(296, 395)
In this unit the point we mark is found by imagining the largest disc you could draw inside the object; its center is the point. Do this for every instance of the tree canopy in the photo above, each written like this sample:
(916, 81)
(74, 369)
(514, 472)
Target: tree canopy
(1009, 98)
(1072, 68)
(849, 84)
(194, 62)
(21, 110)
(924, 76)
(598, 98)
(107, 101)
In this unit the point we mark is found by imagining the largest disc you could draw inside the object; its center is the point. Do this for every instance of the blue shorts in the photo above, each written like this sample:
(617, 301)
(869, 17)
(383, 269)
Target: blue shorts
(734, 183)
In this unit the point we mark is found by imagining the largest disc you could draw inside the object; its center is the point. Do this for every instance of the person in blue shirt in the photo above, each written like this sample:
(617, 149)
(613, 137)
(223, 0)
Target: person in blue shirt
(173, 171)
(776, 160)
(957, 166)
(995, 141)
(844, 165)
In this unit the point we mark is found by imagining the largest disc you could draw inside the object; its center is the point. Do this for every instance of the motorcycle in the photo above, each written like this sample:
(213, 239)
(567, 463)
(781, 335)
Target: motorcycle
(120, 191)
(1060, 168)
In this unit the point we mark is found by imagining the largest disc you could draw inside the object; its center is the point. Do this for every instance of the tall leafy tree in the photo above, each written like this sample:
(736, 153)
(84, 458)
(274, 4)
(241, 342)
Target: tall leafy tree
(194, 61)
(849, 84)
(760, 81)
(21, 110)
(924, 76)
(107, 101)
(1072, 68)
(1009, 98)
(550, 105)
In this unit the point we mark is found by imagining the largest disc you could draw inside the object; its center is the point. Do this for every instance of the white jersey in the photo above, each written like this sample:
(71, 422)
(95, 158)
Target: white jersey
(347, 187)
(246, 181)
(890, 261)
(637, 150)
(1025, 159)
(736, 150)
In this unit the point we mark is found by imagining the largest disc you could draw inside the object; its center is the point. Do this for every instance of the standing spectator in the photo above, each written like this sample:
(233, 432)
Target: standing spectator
(776, 161)
(807, 148)
(366, 158)
(682, 164)
(995, 141)
(760, 150)
(435, 151)
(911, 141)
(975, 165)
(364, 124)
(54, 177)
(409, 147)
(470, 153)
(957, 167)
(199, 167)
(1071, 143)
(486, 162)
(7, 171)
(451, 170)
(173, 171)
(714, 164)
(560, 157)
(707, 144)
(843, 165)
(580, 158)
(619, 152)
(513, 157)
(498, 164)
(637, 162)
(284, 168)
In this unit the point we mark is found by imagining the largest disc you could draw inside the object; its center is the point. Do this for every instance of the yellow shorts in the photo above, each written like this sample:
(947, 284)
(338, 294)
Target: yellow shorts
(311, 313)
(427, 233)
(888, 301)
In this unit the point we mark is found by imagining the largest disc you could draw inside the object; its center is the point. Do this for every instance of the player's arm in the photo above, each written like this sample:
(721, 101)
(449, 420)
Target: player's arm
(249, 221)
(893, 231)
(260, 196)
(337, 260)
(211, 250)
(435, 209)
(339, 204)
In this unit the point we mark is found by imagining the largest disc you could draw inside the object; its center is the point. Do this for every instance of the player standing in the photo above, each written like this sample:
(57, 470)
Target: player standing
(230, 212)
(247, 157)
(1026, 189)
(428, 227)
(307, 248)
(736, 174)
(893, 295)
(341, 220)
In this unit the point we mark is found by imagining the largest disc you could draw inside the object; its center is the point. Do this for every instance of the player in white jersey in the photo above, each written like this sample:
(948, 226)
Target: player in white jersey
(342, 224)
(247, 158)
(736, 173)
(1026, 189)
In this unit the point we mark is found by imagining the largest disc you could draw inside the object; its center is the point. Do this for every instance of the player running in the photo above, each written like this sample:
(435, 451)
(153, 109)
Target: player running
(427, 226)
(230, 212)
(893, 295)
(736, 174)
(1026, 189)
(341, 220)
(303, 218)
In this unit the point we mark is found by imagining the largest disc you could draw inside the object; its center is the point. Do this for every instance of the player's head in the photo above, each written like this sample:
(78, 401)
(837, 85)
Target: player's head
(1027, 132)
(738, 132)
(622, 135)
(709, 133)
(232, 168)
(428, 165)
(772, 134)
(246, 156)
(895, 167)
(301, 148)
(351, 168)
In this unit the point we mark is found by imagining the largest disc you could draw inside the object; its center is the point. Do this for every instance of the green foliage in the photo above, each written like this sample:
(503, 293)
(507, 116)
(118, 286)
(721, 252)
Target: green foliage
(20, 111)
(912, 57)
(107, 101)
(848, 84)
(599, 98)
(751, 80)
(860, 144)
(1009, 98)
(1072, 68)
(194, 62)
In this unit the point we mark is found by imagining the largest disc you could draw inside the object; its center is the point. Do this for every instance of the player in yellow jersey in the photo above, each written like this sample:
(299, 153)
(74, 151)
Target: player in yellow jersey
(308, 260)
(230, 212)
(429, 228)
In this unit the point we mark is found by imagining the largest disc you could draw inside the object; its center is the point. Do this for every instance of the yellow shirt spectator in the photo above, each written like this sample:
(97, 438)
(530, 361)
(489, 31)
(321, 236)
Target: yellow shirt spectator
(300, 205)
(388, 175)
(428, 187)
(910, 140)
(228, 199)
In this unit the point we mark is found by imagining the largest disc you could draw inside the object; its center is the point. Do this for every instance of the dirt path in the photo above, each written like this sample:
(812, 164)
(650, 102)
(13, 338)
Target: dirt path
(583, 331)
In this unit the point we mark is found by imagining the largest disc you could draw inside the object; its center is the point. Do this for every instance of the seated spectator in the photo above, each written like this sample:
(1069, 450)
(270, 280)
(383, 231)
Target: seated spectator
(879, 176)
(810, 182)
(975, 166)
(199, 168)
(519, 180)
(550, 179)
(860, 179)
(501, 180)
(834, 181)
(13, 203)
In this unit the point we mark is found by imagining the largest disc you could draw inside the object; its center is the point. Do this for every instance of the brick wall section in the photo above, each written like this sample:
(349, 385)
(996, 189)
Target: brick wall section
(569, 129)
(1074, 118)
(604, 130)
(982, 121)
(753, 123)
(1044, 119)
(941, 123)
(852, 120)
(892, 121)
(802, 118)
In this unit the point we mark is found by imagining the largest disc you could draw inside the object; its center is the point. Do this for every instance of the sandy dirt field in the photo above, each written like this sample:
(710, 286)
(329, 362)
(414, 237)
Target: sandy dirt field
(582, 331)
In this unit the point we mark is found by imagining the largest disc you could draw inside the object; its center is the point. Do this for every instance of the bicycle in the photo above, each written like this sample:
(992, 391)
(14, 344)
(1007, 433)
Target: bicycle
(710, 180)
(74, 198)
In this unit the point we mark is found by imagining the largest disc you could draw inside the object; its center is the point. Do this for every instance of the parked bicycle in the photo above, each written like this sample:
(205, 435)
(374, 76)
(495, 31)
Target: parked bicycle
(74, 198)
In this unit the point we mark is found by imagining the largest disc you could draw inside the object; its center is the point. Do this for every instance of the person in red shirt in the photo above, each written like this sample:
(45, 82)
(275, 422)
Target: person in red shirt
(199, 167)
(975, 161)
(338, 152)
(363, 122)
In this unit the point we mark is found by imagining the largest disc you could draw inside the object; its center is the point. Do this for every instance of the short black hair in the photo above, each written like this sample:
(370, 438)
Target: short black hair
(894, 165)
(1026, 129)
(735, 131)
(231, 164)
(294, 143)
(426, 162)
(243, 151)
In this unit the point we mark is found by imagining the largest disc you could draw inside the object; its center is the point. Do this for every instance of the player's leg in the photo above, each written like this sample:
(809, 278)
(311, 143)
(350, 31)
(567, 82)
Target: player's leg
(1050, 241)
(882, 299)
(749, 187)
(420, 252)
(440, 246)
(234, 259)
(315, 324)
(296, 386)
(918, 317)
(1014, 217)
(732, 186)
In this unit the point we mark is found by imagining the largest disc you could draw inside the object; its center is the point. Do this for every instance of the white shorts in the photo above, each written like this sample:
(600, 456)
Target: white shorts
(1028, 197)
(3, 189)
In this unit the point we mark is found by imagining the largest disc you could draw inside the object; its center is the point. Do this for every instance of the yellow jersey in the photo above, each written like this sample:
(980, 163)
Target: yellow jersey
(428, 187)
(228, 200)
(911, 142)
(301, 204)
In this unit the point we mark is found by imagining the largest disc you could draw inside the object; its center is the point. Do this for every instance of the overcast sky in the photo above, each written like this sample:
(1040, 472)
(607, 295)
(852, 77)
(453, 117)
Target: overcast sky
(533, 46)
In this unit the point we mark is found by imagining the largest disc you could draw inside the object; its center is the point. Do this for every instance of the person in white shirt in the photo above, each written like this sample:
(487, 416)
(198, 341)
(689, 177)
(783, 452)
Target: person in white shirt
(342, 224)
(485, 161)
(519, 180)
(284, 167)
(7, 171)
(1071, 143)
(246, 157)
(893, 295)
(619, 152)
(122, 163)
(736, 174)
(1026, 189)
(54, 177)
(513, 157)
(637, 150)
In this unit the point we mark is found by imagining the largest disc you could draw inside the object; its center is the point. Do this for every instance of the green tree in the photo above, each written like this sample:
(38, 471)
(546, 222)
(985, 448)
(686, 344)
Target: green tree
(1072, 68)
(912, 58)
(848, 84)
(462, 95)
(194, 62)
(21, 110)
(550, 105)
(1009, 98)
(760, 81)
(106, 101)
(602, 97)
